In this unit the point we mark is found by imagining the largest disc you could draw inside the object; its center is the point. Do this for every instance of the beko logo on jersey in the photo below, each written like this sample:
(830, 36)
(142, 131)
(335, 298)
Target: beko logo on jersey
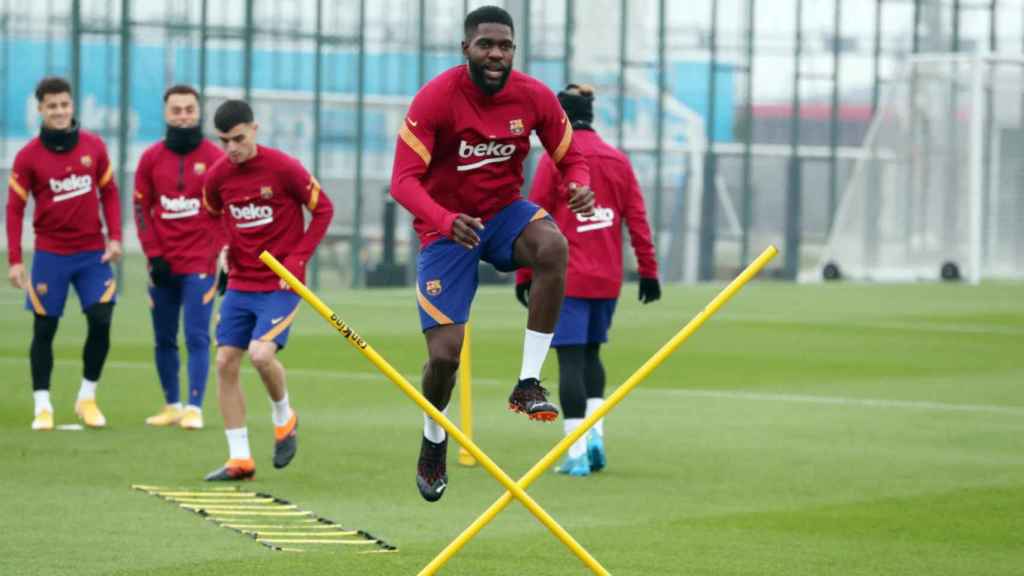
(601, 218)
(252, 215)
(488, 153)
(70, 187)
(180, 207)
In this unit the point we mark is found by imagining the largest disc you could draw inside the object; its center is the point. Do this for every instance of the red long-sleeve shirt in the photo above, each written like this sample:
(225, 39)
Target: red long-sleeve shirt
(261, 201)
(64, 187)
(169, 217)
(595, 242)
(461, 150)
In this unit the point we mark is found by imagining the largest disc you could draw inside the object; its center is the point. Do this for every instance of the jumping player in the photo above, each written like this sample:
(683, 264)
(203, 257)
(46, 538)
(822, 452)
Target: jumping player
(67, 172)
(260, 193)
(594, 277)
(181, 242)
(459, 169)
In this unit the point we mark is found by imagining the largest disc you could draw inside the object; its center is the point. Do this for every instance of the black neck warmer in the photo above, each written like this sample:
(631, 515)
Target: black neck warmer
(59, 141)
(579, 109)
(183, 140)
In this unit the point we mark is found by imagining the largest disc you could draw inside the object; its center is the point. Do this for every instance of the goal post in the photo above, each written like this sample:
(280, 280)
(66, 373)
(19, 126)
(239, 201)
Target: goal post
(938, 191)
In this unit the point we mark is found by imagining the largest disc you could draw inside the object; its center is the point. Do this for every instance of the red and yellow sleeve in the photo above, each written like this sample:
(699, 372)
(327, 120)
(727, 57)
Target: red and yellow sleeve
(142, 200)
(555, 133)
(413, 155)
(109, 196)
(19, 186)
(306, 188)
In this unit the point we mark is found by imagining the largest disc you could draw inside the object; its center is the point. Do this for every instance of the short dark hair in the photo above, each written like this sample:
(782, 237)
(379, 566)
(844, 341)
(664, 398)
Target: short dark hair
(180, 89)
(231, 114)
(52, 85)
(487, 15)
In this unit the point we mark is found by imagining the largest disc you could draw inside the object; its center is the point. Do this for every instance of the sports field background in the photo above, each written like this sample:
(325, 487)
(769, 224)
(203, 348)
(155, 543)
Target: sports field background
(805, 430)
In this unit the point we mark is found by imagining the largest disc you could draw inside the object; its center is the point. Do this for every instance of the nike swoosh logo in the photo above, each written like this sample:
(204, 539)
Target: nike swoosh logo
(411, 123)
(276, 320)
(441, 488)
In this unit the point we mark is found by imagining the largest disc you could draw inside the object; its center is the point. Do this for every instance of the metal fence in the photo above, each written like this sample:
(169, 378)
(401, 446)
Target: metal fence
(783, 90)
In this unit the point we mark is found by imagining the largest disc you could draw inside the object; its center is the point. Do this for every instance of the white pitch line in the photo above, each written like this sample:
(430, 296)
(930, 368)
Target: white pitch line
(717, 394)
(842, 401)
(882, 325)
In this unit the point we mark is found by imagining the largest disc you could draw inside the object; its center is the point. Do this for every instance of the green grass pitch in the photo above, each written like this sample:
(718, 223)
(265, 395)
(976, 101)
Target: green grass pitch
(805, 430)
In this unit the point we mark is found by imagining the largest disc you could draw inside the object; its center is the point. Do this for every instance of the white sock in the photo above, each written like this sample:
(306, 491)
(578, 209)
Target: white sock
(238, 443)
(432, 430)
(535, 350)
(87, 391)
(193, 408)
(281, 411)
(579, 447)
(592, 405)
(42, 398)
(176, 405)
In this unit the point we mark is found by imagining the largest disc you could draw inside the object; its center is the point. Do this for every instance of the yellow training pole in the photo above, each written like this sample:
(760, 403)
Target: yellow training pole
(360, 344)
(466, 395)
(616, 397)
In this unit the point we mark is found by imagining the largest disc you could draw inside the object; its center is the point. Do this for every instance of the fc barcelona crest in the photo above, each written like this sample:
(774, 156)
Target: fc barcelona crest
(266, 192)
(199, 168)
(87, 161)
(516, 126)
(433, 287)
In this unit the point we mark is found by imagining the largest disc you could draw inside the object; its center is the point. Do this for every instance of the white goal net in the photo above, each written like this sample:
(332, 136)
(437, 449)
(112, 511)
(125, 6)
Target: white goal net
(939, 189)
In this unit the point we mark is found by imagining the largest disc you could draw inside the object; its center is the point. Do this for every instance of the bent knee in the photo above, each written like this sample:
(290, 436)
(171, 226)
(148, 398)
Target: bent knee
(552, 253)
(228, 360)
(443, 365)
(262, 354)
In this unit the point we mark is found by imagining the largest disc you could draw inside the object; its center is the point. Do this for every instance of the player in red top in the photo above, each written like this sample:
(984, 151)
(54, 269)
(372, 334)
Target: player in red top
(459, 170)
(181, 241)
(259, 192)
(67, 172)
(595, 272)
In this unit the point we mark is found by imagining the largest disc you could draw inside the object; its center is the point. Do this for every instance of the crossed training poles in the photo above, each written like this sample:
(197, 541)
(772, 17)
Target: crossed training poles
(515, 489)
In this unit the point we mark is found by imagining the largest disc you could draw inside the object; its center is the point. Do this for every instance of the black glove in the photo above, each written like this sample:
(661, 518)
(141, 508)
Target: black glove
(160, 271)
(222, 282)
(650, 290)
(523, 293)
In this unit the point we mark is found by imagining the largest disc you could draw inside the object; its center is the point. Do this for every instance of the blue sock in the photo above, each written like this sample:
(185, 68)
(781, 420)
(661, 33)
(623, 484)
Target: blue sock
(167, 364)
(198, 301)
(165, 330)
(198, 370)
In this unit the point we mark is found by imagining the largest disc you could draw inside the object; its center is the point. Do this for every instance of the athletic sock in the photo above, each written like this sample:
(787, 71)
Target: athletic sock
(238, 443)
(87, 391)
(535, 349)
(579, 447)
(281, 411)
(42, 398)
(432, 430)
(592, 405)
(175, 405)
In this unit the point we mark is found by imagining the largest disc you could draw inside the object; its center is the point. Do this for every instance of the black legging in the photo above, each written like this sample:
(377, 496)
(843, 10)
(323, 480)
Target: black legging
(40, 353)
(97, 340)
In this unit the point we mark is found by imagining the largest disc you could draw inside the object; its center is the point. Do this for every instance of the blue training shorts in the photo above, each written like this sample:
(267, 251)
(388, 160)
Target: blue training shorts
(584, 321)
(52, 274)
(263, 316)
(447, 275)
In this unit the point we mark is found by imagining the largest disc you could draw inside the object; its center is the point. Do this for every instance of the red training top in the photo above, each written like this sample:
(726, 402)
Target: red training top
(595, 242)
(64, 186)
(461, 150)
(261, 200)
(168, 212)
